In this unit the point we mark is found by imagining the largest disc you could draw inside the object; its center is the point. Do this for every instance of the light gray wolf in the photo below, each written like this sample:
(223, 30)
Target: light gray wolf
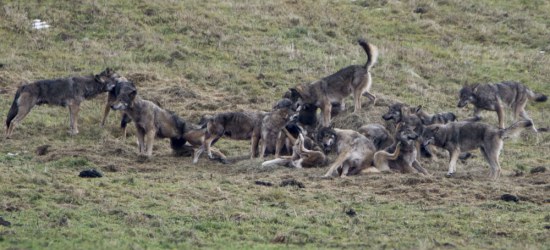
(70, 91)
(403, 158)
(353, 79)
(354, 151)
(150, 120)
(457, 137)
(497, 96)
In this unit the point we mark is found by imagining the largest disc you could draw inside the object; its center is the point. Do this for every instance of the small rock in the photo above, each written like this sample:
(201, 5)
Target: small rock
(509, 197)
(292, 182)
(263, 183)
(42, 150)
(90, 173)
(4, 222)
(540, 169)
(350, 212)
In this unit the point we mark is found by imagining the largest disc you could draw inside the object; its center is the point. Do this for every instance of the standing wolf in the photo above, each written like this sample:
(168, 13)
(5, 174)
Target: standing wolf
(150, 120)
(353, 79)
(457, 137)
(70, 91)
(495, 97)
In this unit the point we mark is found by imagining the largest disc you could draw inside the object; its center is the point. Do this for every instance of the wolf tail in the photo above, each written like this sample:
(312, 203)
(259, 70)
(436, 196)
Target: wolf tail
(538, 97)
(515, 128)
(372, 52)
(14, 108)
(177, 143)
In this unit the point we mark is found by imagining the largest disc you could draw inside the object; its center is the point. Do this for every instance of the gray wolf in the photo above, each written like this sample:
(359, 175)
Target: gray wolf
(236, 126)
(402, 113)
(403, 158)
(378, 134)
(353, 79)
(439, 118)
(150, 120)
(496, 96)
(457, 137)
(301, 156)
(70, 91)
(354, 151)
(272, 125)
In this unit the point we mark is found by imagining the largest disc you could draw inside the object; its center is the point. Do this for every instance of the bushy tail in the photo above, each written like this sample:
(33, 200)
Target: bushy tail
(372, 52)
(177, 143)
(540, 97)
(14, 108)
(515, 128)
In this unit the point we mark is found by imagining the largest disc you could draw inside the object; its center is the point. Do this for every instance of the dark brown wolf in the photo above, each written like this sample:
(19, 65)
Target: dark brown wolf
(495, 97)
(70, 91)
(354, 79)
(457, 137)
(150, 120)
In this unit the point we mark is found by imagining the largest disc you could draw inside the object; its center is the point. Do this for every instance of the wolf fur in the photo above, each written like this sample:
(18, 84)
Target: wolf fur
(301, 156)
(497, 96)
(354, 79)
(403, 158)
(236, 126)
(378, 134)
(272, 136)
(457, 137)
(66, 92)
(354, 150)
(150, 120)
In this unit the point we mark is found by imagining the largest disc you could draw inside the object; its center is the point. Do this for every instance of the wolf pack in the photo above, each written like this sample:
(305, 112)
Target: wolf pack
(298, 131)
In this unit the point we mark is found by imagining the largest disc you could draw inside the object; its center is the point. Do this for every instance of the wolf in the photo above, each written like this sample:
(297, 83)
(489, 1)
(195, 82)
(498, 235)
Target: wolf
(150, 120)
(301, 156)
(354, 150)
(403, 158)
(353, 79)
(236, 126)
(378, 134)
(272, 125)
(457, 137)
(70, 91)
(439, 118)
(496, 96)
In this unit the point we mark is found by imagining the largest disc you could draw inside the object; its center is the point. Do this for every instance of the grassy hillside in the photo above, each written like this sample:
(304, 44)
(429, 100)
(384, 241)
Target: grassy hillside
(204, 57)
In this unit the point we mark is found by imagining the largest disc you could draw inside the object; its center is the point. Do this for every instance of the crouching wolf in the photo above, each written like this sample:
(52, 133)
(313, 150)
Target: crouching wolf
(457, 137)
(70, 91)
(495, 97)
(150, 120)
(353, 79)
(355, 152)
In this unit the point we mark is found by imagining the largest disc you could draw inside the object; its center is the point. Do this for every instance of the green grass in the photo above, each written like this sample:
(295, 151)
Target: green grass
(203, 57)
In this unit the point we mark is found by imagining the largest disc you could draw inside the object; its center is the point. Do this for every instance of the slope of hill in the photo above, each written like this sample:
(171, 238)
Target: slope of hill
(203, 57)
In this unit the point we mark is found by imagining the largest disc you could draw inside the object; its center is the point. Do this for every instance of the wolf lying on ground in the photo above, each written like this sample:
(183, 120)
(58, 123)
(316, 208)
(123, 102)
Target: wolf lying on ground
(70, 91)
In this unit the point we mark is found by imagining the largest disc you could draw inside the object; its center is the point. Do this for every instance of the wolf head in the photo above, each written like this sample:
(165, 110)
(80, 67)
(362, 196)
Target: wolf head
(125, 93)
(395, 112)
(428, 137)
(107, 78)
(327, 138)
(466, 95)
(406, 135)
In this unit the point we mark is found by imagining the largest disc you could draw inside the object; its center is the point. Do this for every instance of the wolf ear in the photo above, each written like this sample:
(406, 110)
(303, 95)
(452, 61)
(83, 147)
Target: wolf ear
(417, 109)
(474, 86)
(133, 94)
(294, 94)
(98, 79)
